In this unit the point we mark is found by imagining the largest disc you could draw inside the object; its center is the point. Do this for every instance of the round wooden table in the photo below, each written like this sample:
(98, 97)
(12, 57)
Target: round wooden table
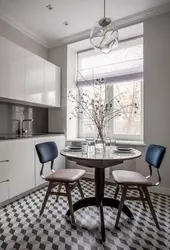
(100, 161)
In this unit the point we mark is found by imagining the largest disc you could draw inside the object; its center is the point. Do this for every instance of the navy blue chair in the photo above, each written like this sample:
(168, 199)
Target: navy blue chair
(130, 180)
(70, 178)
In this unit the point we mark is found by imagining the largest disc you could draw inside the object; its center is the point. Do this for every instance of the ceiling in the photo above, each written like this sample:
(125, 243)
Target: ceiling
(32, 16)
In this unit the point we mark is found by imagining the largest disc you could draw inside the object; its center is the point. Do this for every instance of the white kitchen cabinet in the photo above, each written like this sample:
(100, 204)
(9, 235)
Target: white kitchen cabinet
(4, 180)
(12, 70)
(27, 77)
(4, 171)
(4, 191)
(4, 151)
(20, 166)
(59, 162)
(52, 84)
(21, 174)
(35, 78)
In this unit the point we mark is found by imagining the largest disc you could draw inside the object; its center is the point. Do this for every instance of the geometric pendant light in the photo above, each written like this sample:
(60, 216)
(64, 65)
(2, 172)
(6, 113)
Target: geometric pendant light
(104, 35)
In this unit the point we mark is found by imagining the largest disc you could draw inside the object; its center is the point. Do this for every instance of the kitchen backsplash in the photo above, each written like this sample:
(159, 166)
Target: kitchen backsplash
(9, 113)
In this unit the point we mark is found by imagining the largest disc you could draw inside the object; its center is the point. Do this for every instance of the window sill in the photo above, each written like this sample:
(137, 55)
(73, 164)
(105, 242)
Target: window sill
(118, 142)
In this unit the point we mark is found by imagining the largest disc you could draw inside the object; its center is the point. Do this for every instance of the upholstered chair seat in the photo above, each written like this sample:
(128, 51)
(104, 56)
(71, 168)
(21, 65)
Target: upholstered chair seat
(66, 175)
(130, 178)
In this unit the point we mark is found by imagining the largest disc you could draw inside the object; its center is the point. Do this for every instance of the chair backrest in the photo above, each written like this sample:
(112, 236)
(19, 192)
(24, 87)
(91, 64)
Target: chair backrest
(47, 151)
(154, 155)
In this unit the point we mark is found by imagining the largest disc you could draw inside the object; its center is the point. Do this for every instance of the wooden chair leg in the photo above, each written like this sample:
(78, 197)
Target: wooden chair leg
(50, 186)
(122, 200)
(117, 191)
(147, 195)
(59, 190)
(80, 189)
(142, 197)
(68, 191)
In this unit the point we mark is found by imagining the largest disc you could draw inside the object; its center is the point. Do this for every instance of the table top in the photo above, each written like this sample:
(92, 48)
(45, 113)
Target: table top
(108, 155)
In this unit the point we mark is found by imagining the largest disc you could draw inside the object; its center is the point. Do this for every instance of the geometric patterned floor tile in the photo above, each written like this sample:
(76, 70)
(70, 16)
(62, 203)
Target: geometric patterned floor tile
(22, 228)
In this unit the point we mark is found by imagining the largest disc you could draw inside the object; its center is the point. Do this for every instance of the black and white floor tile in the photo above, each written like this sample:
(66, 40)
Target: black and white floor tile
(22, 228)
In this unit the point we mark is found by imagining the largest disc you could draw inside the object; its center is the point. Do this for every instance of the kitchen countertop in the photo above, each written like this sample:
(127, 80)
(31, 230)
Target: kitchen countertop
(7, 137)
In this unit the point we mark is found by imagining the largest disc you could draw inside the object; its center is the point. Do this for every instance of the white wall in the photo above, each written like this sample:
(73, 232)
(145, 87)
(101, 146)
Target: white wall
(157, 90)
(19, 38)
(64, 57)
(72, 124)
(57, 119)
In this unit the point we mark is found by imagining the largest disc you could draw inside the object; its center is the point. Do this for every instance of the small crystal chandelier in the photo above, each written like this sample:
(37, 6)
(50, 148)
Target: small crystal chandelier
(104, 35)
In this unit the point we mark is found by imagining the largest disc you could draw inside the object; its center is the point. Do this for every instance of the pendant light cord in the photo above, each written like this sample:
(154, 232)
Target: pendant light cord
(104, 8)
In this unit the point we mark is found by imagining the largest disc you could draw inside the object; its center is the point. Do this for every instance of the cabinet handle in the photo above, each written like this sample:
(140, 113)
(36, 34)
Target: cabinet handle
(4, 181)
(4, 161)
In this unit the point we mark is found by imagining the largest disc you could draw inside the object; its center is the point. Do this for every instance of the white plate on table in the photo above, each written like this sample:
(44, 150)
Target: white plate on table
(123, 149)
(75, 148)
(68, 148)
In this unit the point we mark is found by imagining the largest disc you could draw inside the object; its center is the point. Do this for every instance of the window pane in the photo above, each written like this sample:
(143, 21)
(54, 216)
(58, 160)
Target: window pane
(129, 123)
(87, 128)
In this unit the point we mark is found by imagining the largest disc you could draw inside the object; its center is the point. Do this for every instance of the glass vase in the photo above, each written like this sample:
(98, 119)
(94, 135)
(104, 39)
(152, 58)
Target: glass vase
(100, 145)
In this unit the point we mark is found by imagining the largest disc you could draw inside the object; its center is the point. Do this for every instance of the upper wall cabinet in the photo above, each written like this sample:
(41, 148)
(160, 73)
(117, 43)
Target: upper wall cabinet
(27, 77)
(52, 89)
(12, 70)
(35, 81)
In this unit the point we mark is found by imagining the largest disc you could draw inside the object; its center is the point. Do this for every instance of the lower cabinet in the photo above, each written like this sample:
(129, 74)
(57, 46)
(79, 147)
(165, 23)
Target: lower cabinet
(4, 171)
(4, 191)
(4, 180)
(20, 166)
(21, 174)
(59, 162)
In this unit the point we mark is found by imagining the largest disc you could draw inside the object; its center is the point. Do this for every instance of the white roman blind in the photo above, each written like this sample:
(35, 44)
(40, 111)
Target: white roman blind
(127, 59)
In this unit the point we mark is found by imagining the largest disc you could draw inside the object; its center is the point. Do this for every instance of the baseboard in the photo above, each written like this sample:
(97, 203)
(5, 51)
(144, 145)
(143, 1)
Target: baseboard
(91, 178)
(160, 190)
(156, 190)
(4, 203)
(88, 177)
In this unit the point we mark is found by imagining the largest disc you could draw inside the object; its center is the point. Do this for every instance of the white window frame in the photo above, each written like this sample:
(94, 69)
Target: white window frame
(118, 136)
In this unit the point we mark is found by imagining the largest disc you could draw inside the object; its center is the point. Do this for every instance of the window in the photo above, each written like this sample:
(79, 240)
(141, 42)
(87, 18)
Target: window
(122, 70)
